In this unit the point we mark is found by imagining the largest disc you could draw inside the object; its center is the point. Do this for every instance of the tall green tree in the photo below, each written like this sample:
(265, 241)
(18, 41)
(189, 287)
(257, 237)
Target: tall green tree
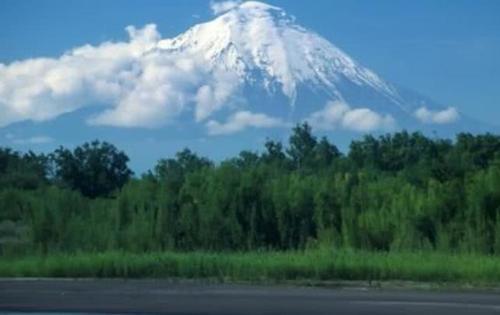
(96, 169)
(301, 146)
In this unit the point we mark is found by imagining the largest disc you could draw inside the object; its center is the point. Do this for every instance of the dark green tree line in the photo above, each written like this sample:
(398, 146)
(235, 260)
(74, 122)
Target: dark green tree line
(402, 191)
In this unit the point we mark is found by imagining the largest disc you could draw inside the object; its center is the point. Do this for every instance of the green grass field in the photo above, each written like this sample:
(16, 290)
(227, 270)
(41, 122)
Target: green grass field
(311, 265)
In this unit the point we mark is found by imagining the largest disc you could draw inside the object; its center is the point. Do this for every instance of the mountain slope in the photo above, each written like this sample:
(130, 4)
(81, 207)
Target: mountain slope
(263, 38)
(263, 51)
(252, 66)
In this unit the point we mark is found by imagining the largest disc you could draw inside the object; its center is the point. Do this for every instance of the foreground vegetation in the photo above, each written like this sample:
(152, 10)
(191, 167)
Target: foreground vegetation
(310, 265)
(398, 206)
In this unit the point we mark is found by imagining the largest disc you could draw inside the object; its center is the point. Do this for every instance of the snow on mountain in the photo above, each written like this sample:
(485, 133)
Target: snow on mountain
(237, 68)
(258, 37)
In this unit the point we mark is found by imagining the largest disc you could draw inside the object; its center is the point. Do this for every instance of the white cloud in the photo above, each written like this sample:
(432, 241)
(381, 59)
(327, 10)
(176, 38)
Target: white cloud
(339, 115)
(213, 96)
(219, 7)
(31, 140)
(242, 120)
(136, 82)
(445, 116)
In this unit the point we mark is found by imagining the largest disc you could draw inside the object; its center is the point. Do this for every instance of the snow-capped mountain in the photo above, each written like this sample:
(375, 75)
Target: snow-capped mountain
(260, 46)
(252, 66)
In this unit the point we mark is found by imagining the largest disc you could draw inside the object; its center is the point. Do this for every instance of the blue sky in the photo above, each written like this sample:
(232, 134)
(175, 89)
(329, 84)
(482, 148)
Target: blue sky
(448, 50)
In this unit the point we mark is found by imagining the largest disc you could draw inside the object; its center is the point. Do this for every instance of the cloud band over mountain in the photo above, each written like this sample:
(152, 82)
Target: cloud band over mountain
(139, 86)
(149, 81)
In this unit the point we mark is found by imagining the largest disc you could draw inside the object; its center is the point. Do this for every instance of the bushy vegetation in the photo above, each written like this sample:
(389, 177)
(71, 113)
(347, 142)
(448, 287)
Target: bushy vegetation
(399, 192)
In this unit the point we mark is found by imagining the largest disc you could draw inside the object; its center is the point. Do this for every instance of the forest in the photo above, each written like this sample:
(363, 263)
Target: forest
(400, 192)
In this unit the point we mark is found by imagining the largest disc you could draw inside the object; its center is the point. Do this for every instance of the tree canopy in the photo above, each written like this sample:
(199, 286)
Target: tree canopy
(96, 169)
(400, 191)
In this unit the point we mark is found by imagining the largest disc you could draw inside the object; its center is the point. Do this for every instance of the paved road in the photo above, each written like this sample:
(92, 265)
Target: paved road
(167, 297)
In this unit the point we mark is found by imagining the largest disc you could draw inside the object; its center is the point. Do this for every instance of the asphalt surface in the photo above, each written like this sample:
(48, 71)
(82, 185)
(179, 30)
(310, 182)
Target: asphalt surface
(168, 297)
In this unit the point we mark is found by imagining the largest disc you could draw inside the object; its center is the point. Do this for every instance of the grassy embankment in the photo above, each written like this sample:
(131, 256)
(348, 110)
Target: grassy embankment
(312, 265)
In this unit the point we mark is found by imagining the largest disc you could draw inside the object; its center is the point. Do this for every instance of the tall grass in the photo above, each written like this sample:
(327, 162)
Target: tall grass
(319, 264)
